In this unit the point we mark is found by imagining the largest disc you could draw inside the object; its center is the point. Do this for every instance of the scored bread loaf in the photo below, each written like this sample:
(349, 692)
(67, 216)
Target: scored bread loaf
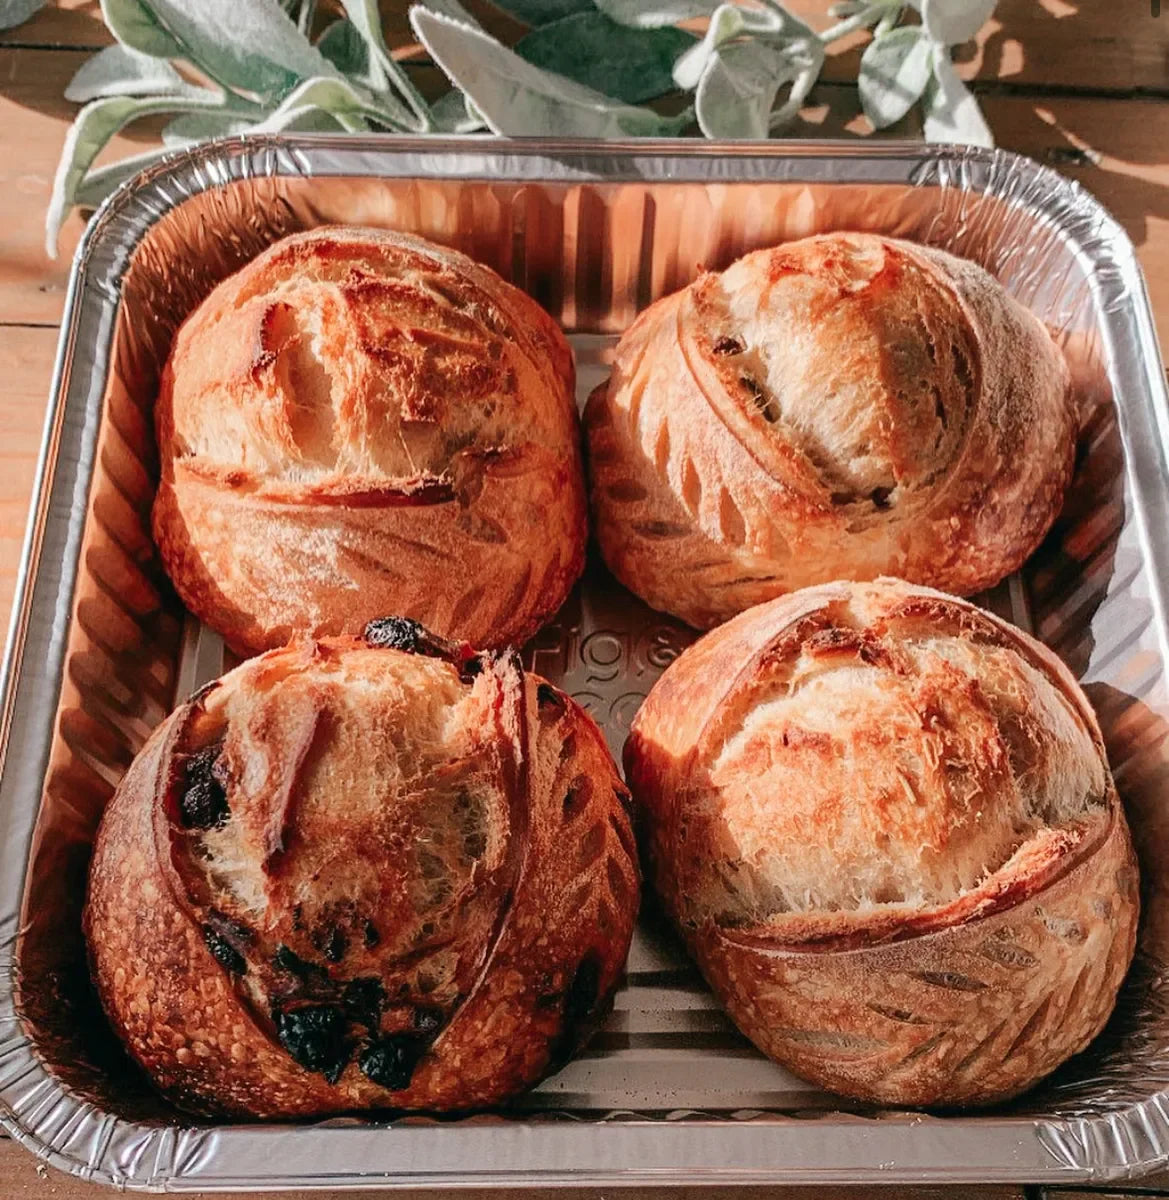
(354, 873)
(361, 422)
(846, 406)
(884, 823)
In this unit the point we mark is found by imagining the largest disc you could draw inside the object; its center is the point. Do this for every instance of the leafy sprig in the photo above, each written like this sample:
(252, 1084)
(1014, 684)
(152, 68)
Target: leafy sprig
(585, 69)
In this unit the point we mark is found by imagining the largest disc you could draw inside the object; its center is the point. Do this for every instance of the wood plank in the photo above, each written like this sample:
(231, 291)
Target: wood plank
(26, 359)
(35, 116)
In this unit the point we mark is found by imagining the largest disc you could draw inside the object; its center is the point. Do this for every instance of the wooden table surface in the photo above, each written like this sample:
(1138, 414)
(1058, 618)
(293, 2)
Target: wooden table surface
(1080, 84)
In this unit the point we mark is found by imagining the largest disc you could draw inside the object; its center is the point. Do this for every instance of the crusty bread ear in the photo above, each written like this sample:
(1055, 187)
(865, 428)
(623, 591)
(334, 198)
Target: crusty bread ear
(379, 873)
(846, 406)
(361, 422)
(884, 823)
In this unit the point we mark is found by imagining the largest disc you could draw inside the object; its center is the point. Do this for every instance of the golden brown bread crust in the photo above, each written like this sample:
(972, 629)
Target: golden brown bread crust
(361, 422)
(884, 823)
(356, 874)
(845, 406)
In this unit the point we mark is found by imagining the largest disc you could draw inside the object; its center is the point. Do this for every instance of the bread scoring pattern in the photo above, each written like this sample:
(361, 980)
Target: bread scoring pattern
(350, 874)
(884, 823)
(362, 422)
(845, 406)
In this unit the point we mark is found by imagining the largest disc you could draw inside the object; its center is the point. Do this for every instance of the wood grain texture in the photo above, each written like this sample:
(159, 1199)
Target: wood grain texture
(26, 356)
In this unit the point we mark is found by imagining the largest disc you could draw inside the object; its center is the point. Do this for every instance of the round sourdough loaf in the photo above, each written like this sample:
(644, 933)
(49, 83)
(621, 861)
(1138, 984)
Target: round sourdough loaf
(361, 422)
(842, 407)
(379, 873)
(884, 823)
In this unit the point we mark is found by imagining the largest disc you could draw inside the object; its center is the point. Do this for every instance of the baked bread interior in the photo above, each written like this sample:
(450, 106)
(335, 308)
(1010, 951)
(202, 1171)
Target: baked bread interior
(884, 822)
(361, 422)
(354, 873)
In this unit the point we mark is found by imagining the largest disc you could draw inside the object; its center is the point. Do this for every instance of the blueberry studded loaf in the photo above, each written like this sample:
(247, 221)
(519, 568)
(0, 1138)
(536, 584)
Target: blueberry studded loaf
(378, 872)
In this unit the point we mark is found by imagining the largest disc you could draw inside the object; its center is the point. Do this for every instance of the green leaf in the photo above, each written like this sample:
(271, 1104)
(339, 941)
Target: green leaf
(384, 71)
(16, 12)
(93, 127)
(134, 25)
(519, 99)
(199, 127)
(119, 71)
(453, 114)
(101, 181)
(952, 22)
(729, 23)
(343, 45)
(305, 118)
(338, 97)
(738, 88)
(542, 12)
(628, 64)
(655, 13)
(895, 70)
(264, 53)
(951, 111)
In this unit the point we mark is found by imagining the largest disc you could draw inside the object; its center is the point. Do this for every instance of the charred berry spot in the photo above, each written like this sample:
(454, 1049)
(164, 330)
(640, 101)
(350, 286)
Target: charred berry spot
(203, 800)
(471, 668)
(370, 935)
(335, 945)
(298, 917)
(315, 1037)
(428, 1021)
(401, 633)
(728, 345)
(390, 1061)
(288, 960)
(226, 955)
(880, 497)
(363, 1000)
(549, 702)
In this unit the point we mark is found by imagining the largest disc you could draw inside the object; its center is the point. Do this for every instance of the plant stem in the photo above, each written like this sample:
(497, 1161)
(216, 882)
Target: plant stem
(888, 21)
(861, 20)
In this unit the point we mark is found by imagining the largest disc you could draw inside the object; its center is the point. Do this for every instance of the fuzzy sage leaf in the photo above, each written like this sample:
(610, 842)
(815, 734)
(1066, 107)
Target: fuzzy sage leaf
(628, 64)
(95, 125)
(656, 13)
(16, 12)
(895, 70)
(265, 54)
(517, 98)
(120, 71)
(951, 111)
(952, 22)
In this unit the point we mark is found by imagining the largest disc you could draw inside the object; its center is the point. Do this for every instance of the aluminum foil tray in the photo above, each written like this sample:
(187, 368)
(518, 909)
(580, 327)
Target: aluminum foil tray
(668, 1091)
